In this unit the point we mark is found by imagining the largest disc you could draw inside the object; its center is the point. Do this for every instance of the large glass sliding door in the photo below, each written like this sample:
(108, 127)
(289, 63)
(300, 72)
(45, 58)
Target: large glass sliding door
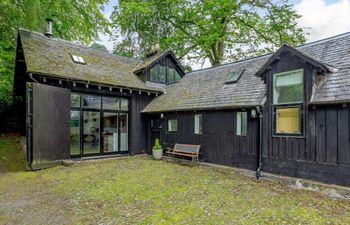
(91, 134)
(75, 132)
(110, 132)
(99, 125)
(123, 124)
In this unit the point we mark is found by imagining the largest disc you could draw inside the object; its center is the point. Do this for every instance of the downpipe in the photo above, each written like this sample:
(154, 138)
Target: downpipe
(258, 171)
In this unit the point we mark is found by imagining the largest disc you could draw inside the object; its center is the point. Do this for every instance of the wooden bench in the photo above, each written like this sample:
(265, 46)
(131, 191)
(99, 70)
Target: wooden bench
(184, 150)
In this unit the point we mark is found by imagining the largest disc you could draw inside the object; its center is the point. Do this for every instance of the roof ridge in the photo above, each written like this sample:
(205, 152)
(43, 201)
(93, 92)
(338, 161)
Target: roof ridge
(324, 40)
(231, 63)
(261, 56)
(77, 44)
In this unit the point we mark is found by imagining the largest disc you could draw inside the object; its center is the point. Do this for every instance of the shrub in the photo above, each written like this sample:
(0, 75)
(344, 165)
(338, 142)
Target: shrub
(157, 145)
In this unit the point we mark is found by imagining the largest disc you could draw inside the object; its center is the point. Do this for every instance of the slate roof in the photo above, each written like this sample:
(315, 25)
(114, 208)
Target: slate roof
(334, 87)
(52, 56)
(206, 88)
(149, 60)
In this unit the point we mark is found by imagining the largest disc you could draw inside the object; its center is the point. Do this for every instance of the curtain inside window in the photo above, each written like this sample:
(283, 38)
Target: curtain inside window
(288, 120)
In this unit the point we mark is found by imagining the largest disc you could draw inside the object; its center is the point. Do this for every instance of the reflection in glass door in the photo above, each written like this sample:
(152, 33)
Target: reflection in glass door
(75, 132)
(123, 128)
(91, 134)
(99, 125)
(110, 132)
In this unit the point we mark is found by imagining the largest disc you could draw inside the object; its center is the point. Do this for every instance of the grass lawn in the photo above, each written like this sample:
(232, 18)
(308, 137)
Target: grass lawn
(138, 190)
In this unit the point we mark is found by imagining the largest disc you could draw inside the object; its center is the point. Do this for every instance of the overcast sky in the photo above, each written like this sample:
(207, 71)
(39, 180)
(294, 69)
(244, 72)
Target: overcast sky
(325, 18)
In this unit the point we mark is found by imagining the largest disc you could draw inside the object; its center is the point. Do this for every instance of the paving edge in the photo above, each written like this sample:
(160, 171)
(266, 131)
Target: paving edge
(334, 191)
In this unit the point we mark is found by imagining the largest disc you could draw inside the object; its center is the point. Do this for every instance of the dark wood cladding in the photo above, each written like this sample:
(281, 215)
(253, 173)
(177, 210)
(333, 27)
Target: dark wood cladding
(138, 123)
(323, 151)
(49, 126)
(219, 142)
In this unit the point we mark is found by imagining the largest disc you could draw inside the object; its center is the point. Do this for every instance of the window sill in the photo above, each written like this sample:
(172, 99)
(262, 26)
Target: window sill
(288, 136)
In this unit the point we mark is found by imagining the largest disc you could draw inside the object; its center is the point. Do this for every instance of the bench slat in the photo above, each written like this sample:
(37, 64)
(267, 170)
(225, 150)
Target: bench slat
(179, 153)
(186, 148)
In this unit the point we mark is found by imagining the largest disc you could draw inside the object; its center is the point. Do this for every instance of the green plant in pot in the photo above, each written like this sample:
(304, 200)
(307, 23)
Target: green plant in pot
(157, 150)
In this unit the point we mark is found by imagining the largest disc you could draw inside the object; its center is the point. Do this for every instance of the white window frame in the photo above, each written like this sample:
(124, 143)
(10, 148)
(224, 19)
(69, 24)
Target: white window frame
(198, 123)
(240, 116)
(276, 75)
(169, 127)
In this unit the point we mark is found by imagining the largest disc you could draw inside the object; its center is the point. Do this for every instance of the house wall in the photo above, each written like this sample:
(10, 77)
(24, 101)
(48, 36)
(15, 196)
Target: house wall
(219, 142)
(323, 152)
(137, 122)
(137, 101)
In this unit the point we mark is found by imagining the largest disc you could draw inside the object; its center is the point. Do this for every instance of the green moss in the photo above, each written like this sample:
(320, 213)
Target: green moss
(11, 155)
(138, 190)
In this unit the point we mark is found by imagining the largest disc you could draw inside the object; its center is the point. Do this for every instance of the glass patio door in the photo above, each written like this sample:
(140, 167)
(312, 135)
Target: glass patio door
(110, 132)
(99, 125)
(91, 134)
(124, 133)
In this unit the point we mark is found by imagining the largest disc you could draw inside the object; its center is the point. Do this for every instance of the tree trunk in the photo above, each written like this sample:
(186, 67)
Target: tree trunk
(217, 53)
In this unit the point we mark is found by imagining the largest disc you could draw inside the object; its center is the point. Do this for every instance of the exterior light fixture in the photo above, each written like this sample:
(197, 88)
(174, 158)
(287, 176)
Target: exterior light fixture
(161, 116)
(253, 113)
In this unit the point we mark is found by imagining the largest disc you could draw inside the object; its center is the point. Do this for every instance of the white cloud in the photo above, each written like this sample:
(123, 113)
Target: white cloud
(324, 19)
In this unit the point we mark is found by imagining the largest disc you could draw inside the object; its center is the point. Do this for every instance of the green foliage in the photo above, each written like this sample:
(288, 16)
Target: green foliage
(7, 59)
(220, 31)
(157, 145)
(125, 48)
(73, 20)
(98, 47)
(11, 155)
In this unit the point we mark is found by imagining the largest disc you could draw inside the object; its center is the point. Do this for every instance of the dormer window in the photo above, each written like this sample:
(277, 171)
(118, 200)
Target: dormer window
(160, 73)
(78, 59)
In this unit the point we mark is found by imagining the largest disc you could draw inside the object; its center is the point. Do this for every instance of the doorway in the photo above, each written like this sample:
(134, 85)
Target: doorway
(99, 125)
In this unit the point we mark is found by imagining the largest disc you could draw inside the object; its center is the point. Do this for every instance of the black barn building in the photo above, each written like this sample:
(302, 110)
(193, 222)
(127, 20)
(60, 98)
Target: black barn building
(285, 113)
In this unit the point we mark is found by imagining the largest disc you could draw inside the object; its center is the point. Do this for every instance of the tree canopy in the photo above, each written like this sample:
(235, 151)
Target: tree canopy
(219, 31)
(73, 20)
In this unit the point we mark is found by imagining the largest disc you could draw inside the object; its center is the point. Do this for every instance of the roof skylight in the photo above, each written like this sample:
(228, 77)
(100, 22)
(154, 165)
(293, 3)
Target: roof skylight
(233, 77)
(78, 59)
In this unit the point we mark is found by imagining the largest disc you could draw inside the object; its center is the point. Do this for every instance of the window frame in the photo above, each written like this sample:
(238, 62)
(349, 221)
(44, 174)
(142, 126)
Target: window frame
(177, 124)
(200, 128)
(301, 120)
(299, 104)
(158, 67)
(247, 122)
(284, 73)
(101, 110)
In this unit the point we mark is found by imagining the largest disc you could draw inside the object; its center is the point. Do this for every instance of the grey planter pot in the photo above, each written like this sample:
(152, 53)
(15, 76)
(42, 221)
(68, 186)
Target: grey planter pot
(157, 154)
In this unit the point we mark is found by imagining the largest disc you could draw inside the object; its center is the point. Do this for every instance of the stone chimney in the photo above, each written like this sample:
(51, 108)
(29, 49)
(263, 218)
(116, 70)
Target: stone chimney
(155, 49)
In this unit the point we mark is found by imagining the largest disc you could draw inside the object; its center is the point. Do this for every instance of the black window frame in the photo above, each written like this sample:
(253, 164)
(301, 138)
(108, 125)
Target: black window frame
(301, 120)
(101, 111)
(298, 104)
(167, 69)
